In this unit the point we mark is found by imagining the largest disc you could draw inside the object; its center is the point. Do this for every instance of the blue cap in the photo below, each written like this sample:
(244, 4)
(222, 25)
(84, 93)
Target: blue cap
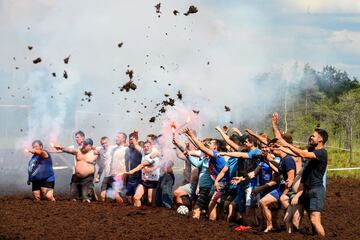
(88, 141)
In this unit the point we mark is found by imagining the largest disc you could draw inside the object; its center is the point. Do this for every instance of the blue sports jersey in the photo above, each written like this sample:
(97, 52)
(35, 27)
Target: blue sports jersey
(40, 169)
(216, 164)
(251, 163)
(266, 173)
(205, 180)
(233, 166)
(286, 164)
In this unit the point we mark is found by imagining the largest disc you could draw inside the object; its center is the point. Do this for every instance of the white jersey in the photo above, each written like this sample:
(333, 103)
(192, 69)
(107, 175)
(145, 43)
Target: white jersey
(154, 162)
(104, 160)
(117, 160)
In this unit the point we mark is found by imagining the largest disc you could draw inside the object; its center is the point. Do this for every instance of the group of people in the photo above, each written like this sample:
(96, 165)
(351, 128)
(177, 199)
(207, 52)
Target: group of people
(235, 178)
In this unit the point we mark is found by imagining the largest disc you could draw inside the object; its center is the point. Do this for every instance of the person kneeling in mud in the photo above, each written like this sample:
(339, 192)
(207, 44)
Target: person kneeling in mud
(41, 173)
(83, 179)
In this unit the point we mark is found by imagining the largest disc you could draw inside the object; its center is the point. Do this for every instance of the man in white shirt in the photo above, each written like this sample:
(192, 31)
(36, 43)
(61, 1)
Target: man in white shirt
(103, 162)
(117, 165)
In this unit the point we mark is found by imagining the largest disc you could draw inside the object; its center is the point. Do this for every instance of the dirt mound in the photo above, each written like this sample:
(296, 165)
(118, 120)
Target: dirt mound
(21, 218)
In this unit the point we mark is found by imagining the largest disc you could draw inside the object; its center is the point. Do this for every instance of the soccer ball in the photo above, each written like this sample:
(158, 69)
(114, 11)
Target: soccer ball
(183, 210)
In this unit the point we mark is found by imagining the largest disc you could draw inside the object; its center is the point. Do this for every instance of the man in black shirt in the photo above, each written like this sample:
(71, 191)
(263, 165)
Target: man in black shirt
(311, 189)
(132, 160)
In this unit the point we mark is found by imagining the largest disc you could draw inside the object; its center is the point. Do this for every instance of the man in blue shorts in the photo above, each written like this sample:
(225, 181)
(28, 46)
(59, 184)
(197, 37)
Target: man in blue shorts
(286, 175)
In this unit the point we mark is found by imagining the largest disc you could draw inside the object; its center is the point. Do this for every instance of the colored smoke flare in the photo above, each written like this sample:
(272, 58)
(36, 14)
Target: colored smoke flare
(173, 128)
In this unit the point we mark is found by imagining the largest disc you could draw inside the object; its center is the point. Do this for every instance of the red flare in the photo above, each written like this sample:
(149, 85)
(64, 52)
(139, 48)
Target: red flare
(173, 128)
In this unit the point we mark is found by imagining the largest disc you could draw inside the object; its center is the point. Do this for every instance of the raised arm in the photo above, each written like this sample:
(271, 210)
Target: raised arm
(40, 152)
(275, 127)
(299, 152)
(257, 136)
(136, 143)
(196, 162)
(193, 143)
(178, 145)
(68, 150)
(285, 150)
(235, 154)
(227, 139)
(234, 129)
(198, 143)
(179, 150)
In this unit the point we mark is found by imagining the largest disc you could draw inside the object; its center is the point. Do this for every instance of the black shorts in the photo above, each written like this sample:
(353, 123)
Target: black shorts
(203, 198)
(149, 184)
(106, 183)
(313, 199)
(36, 186)
(81, 187)
(131, 187)
(230, 194)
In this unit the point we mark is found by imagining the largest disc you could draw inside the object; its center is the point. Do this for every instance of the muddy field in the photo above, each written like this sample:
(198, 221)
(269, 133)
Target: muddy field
(20, 218)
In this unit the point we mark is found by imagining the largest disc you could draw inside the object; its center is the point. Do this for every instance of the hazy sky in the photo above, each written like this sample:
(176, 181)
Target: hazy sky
(239, 40)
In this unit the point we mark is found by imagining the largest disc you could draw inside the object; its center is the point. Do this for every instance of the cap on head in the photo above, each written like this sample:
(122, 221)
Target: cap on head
(88, 141)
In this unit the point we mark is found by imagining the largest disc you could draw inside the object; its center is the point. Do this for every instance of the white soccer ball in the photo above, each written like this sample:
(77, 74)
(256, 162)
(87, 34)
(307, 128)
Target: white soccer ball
(183, 210)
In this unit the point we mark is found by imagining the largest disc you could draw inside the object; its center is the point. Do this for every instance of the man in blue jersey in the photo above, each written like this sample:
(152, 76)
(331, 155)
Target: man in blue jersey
(41, 173)
(205, 181)
(132, 160)
(286, 174)
(251, 161)
(216, 164)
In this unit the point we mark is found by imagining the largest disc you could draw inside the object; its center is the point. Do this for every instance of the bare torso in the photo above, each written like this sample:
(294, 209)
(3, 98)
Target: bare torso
(85, 163)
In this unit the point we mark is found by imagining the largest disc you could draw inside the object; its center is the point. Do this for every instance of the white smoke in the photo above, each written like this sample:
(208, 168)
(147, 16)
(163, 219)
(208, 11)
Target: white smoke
(213, 57)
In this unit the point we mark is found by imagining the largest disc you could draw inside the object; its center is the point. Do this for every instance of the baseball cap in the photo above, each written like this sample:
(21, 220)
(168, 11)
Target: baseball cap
(88, 141)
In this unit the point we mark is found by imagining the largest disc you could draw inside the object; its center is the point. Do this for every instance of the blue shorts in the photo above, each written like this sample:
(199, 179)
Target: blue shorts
(240, 200)
(276, 194)
(131, 187)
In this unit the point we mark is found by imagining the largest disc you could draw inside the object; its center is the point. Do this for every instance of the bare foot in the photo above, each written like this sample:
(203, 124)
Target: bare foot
(268, 229)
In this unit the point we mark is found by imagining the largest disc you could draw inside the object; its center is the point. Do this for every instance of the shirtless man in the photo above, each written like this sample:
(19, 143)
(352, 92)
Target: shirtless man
(83, 178)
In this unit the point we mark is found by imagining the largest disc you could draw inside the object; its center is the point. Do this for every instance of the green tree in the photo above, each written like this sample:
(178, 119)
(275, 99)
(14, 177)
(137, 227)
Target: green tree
(334, 82)
(348, 115)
